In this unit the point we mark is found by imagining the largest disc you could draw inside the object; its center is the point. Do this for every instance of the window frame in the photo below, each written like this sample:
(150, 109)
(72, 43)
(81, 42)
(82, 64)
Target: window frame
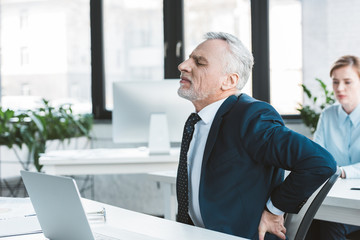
(174, 43)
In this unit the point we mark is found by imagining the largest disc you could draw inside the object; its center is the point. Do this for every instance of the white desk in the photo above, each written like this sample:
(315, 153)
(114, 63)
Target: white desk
(107, 161)
(147, 225)
(341, 204)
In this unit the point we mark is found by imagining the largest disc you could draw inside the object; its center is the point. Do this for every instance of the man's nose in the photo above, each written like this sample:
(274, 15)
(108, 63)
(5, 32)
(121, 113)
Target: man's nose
(184, 66)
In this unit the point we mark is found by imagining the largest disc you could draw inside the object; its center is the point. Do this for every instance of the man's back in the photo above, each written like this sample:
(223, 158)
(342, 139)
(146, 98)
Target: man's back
(247, 149)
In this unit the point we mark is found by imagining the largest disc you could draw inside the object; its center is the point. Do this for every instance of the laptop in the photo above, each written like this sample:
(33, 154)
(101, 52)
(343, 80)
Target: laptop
(57, 203)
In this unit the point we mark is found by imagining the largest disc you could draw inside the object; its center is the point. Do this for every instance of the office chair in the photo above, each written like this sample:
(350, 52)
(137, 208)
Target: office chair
(297, 225)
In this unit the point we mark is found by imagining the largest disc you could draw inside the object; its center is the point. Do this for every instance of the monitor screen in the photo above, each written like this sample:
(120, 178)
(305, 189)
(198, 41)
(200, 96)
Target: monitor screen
(134, 104)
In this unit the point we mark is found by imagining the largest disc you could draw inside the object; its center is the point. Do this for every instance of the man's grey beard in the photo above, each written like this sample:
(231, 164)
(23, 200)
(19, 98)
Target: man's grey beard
(191, 95)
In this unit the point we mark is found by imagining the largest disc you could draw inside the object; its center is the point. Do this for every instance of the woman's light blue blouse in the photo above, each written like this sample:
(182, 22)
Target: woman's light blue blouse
(339, 133)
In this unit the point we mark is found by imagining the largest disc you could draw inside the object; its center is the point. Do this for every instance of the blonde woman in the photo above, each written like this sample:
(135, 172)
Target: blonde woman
(339, 132)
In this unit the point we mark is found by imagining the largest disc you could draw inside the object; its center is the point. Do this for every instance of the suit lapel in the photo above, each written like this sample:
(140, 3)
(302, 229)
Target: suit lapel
(215, 126)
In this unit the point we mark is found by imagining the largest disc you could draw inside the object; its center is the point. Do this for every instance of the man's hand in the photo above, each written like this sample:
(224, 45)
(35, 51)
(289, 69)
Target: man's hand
(273, 224)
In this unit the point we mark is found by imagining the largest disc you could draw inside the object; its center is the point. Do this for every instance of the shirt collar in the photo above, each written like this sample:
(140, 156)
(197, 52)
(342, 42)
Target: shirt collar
(342, 114)
(207, 114)
(354, 115)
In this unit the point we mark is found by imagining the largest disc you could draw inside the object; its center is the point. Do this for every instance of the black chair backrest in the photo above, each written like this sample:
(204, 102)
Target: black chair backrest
(297, 225)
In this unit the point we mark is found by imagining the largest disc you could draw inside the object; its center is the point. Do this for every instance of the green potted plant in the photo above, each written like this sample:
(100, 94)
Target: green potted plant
(310, 113)
(32, 128)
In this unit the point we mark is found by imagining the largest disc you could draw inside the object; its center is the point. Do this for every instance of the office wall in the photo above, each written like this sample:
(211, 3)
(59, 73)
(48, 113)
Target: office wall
(329, 31)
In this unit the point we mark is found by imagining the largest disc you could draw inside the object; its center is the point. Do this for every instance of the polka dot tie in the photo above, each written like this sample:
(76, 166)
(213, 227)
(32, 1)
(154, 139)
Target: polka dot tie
(182, 173)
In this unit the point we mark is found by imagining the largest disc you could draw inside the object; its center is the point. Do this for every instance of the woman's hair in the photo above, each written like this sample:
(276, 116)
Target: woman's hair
(347, 60)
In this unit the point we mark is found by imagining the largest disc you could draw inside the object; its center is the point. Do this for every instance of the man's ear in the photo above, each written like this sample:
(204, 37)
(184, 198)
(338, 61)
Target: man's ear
(230, 82)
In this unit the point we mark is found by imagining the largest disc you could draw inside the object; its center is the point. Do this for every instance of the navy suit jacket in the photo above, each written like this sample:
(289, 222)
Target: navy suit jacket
(246, 151)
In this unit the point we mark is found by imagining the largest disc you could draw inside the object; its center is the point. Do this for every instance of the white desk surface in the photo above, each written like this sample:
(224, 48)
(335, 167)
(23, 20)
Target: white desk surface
(163, 176)
(147, 225)
(107, 161)
(340, 205)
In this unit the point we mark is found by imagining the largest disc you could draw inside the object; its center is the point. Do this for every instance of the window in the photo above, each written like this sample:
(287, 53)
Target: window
(45, 53)
(24, 56)
(45, 45)
(285, 55)
(133, 42)
(23, 19)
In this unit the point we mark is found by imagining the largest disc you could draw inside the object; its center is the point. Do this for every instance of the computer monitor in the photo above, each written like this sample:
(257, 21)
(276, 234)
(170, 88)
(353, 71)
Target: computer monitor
(136, 102)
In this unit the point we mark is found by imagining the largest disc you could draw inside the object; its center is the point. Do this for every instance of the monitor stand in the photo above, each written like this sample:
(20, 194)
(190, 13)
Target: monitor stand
(159, 143)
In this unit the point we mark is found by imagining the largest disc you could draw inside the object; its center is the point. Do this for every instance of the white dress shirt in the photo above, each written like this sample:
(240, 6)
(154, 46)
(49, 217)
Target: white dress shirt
(339, 133)
(195, 157)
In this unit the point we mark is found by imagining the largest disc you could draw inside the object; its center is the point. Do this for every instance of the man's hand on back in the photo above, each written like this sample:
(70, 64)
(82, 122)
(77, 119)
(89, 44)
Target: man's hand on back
(273, 224)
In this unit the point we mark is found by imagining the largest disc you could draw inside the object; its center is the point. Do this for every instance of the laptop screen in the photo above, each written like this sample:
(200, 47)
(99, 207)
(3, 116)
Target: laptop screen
(58, 206)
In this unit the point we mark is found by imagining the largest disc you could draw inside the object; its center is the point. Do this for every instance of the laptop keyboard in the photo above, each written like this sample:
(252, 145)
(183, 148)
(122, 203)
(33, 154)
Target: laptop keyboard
(99, 236)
